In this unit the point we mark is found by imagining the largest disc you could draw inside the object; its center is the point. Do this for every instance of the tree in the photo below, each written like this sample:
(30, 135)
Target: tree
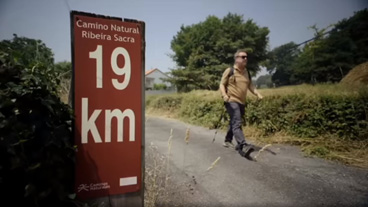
(202, 51)
(27, 52)
(264, 80)
(64, 69)
(64, 74)
(329, 57)
(281, 62)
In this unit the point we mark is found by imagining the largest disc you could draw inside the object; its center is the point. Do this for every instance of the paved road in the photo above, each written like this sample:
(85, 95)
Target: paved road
(286, 178)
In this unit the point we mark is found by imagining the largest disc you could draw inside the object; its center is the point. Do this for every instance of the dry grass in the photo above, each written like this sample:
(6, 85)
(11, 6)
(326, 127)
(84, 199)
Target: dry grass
(157, 173)
(214, 164)
(156, 177)
(64, 90)
(161, 113)
(357, 76)
(312, 90)
(187, 136)
(261, 150)
(349, 152)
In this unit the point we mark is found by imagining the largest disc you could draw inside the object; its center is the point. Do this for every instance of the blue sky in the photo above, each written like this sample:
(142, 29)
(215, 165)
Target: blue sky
(287, 20)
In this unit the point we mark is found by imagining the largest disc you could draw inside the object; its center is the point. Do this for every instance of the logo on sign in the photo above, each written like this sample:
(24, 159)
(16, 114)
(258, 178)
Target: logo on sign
(92, 186)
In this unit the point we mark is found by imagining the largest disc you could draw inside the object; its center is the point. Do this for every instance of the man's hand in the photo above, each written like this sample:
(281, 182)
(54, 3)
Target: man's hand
(226, 98)
(253, 89)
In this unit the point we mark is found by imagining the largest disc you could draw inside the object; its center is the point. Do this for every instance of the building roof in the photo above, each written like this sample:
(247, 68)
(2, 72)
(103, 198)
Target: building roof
(153, 70)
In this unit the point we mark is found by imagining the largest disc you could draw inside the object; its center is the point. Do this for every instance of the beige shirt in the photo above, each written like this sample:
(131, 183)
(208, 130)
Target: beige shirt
(236, 85)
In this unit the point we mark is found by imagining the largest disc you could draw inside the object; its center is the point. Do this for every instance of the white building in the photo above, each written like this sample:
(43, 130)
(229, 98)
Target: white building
(155, 76)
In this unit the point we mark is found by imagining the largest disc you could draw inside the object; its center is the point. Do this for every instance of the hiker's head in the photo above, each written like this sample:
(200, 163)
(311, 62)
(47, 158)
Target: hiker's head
(241, 58)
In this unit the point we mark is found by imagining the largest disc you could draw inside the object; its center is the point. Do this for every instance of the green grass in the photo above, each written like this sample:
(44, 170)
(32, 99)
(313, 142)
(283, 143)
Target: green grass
(314, 90)
(308, 90)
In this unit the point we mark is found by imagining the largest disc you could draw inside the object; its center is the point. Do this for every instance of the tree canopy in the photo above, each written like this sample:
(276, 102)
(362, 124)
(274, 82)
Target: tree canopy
(27, 52)
(280, 63)
(264, 81)
(203, 51)
(328, 58)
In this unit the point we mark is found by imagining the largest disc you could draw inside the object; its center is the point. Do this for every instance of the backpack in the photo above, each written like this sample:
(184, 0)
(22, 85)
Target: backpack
(231, 73)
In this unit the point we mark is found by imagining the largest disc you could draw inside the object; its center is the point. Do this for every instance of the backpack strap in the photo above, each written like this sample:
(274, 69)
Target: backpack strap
(250, 77)
(231, 73)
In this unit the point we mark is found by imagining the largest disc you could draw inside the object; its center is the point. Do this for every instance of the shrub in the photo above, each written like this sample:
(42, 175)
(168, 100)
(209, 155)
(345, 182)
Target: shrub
(159, 86)
(310, 116)
(165, 102)
(345, 116)
(200, 112)
(36, 146)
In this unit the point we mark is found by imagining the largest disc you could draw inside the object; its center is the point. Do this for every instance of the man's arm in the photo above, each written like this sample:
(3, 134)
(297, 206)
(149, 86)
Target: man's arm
(223, 83)
(223, 92)
(253, 89)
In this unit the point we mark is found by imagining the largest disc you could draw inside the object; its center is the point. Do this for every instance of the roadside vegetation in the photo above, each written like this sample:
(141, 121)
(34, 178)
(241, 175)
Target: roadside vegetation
(309, 108)
(327, 120)
(36, 142)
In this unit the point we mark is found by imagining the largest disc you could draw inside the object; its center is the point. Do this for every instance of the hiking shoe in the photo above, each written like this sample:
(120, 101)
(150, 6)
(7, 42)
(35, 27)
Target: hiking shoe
(228, 145)
(248, 149)
(239, 147)
(244, 150)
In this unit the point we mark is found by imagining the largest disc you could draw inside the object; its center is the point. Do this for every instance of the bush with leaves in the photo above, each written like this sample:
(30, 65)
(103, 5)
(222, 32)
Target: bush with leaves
(159, 86)
(309, 116)
(36, 145)
(345, 116)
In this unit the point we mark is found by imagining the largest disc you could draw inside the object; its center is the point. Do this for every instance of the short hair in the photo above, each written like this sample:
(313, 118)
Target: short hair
(239, 51)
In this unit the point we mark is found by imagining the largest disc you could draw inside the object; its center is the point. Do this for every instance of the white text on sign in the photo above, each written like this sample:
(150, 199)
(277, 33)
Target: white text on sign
(89, 122)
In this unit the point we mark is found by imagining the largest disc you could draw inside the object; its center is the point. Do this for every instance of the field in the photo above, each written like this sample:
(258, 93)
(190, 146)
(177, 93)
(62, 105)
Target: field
(328, 120)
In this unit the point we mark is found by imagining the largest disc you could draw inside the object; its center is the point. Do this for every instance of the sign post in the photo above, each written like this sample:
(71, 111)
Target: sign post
(108, 85)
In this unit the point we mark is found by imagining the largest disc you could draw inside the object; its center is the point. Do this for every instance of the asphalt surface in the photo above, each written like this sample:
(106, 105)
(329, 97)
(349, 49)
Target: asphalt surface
(282, 178)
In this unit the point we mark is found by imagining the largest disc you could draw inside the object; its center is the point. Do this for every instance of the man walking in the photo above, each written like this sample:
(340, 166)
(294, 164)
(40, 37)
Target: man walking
(235, 83)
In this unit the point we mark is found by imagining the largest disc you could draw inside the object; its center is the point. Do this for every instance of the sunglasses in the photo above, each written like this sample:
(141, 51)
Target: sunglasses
(243, 56)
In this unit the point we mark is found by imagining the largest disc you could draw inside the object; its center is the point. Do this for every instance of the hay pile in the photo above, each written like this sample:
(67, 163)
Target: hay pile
(357, 76)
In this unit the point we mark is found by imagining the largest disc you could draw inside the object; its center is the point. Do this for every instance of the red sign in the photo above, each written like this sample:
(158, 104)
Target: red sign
(108, 104)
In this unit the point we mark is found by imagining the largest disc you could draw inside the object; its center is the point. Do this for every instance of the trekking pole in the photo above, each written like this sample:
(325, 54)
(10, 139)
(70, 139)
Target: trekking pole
(217, 125)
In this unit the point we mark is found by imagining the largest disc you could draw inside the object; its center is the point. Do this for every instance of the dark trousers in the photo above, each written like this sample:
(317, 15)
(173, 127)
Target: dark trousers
(236, 112)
